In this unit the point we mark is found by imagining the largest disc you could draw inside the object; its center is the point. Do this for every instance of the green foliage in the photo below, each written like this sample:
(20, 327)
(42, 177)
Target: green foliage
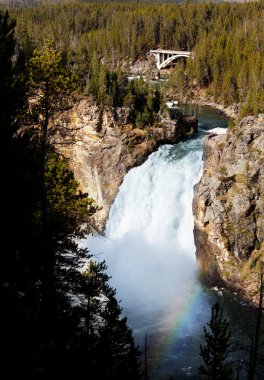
(253, 264)
(105, 331)
(231, 125)
(64, 199)
(147, 102)
(50, 91)
(113, 89)
(43, 211)
(51, 84)
(107, 87)
(116, 344)
(226, 40)
(215, 352)
(13, 78)
(13, 86)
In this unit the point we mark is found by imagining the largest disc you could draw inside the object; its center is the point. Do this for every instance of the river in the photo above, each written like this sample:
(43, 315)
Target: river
(150, 253)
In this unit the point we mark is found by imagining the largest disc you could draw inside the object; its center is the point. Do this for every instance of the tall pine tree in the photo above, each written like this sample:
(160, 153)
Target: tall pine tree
(214, 353)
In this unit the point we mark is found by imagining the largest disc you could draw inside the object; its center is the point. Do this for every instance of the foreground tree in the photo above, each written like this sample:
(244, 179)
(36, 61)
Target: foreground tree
(13, 79)
(42, 331)
(105, 334)
(215, 352)
(13, 85)
(51, 86)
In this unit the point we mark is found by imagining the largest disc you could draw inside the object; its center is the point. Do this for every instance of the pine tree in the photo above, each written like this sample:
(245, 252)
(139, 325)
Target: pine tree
(50, 89)
(105, 335)
(51, 86)
(215, 352)
(116, 343)
(12, 76)
(15, 205)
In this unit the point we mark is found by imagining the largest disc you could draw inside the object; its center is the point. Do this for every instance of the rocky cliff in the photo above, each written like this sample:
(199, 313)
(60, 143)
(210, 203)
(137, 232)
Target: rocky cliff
(228, 206)
(103, 145)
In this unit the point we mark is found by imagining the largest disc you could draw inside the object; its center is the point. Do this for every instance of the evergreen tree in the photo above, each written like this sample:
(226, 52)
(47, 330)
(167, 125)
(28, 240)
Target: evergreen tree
(43, 328)
(15, 204)
(215, 352)
(226, 39)
(105, 336)
(13, 79)
(116, 344)
(51, 85)
(38, 321)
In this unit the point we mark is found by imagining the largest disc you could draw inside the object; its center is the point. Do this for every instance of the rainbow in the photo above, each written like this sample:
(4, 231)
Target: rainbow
(163, 349)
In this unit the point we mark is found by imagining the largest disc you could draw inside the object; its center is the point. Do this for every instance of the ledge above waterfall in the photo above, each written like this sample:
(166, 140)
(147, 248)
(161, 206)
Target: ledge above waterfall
(105, 146)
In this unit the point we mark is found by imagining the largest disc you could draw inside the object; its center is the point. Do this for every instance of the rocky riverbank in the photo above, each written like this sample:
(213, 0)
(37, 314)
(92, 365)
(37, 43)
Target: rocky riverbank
(103, 145)
(228, 207)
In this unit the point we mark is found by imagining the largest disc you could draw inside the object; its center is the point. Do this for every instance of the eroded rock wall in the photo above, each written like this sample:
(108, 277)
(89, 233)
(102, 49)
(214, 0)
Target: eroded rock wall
(102, 146)
(228, 204)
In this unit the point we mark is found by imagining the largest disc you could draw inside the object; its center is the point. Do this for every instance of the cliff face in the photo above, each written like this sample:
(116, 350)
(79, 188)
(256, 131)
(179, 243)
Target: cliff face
(103, 146)
(228, 205)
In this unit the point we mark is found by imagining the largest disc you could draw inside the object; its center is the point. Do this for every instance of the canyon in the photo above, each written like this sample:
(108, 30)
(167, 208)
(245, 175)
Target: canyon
(228, 204)
(228, 207)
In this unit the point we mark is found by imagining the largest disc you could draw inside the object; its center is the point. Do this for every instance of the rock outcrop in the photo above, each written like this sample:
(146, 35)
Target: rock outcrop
(228, 206)
(103, 145)
(145, 67)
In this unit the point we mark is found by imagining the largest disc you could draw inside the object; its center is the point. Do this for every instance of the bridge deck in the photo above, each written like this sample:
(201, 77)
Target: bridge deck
(165, 57)
(174, 52)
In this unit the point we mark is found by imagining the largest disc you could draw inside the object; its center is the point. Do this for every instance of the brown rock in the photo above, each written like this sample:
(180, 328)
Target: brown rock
(228, 203)
(103, 146)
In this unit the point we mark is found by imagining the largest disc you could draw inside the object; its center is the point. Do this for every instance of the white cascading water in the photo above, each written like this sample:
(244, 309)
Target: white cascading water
(149, 247)
(152, 219)
(150, 253)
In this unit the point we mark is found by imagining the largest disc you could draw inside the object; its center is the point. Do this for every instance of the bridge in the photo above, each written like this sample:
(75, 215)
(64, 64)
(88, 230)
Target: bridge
(165, 58)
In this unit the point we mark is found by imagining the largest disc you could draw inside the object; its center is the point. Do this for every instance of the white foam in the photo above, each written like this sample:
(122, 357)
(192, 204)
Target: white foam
(218, 131)
(172, 104)
(135, 77)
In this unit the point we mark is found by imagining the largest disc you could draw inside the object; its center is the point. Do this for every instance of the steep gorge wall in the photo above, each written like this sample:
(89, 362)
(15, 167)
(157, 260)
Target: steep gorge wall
(103, 145)
(228, 206)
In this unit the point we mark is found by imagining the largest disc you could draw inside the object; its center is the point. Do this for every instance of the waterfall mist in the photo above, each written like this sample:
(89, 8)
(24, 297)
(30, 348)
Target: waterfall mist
(150, 253)
(149, 247)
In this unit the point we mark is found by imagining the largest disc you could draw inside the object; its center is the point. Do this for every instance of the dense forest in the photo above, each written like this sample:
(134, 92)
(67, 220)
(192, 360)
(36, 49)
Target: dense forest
(227, 40)
(59, 321)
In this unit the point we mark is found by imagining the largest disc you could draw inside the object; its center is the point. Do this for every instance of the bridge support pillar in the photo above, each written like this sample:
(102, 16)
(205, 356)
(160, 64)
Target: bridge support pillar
(165, 58)
(158, 60)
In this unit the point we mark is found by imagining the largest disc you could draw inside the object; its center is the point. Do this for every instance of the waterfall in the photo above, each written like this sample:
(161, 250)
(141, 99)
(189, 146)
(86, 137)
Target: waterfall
(149, 247)
(150, 253)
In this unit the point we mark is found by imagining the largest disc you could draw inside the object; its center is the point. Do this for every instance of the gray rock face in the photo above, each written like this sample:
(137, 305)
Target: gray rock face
(145, 67)
(228, 203)
(103, 146)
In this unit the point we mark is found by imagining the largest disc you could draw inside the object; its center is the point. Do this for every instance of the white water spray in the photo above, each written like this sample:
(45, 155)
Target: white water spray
(150, 254)
(150, 250)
